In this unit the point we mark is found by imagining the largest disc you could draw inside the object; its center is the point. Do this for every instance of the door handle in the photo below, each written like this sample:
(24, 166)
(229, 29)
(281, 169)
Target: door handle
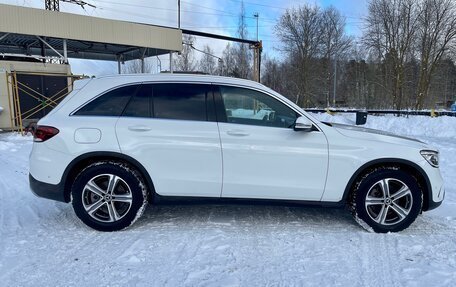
(139, 128)
(237, 133)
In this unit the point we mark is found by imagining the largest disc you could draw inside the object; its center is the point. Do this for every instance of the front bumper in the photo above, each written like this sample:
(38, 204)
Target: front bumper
(47, 190)
(434, 204)
(435, 184)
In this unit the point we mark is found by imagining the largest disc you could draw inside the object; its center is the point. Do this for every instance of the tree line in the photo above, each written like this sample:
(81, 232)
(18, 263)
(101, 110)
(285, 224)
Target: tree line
(404, 59)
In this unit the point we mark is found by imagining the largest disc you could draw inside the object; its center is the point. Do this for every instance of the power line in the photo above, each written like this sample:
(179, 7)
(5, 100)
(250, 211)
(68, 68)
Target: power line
(258, 4)
(202, 51)
(170, 9)
(227, 13)
(279, 7)
(210, 8)
(229, 27)
(165, 20)
(123, 12)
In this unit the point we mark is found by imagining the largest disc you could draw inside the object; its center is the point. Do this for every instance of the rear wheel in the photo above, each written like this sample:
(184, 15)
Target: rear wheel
(386, 200)
(109, 196)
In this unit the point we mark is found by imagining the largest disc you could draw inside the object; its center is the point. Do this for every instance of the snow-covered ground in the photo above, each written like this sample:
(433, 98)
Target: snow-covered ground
(42, 243)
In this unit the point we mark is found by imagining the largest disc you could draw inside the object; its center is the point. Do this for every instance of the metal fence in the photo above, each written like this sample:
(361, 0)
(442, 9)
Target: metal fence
(32, 95)
(430, 113)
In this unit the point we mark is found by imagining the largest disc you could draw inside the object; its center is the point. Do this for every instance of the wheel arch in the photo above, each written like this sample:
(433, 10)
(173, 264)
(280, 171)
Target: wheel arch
(82, 161)
(413, 168)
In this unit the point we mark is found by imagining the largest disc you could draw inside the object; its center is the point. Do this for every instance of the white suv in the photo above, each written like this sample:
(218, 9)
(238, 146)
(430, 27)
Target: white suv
(116, 143)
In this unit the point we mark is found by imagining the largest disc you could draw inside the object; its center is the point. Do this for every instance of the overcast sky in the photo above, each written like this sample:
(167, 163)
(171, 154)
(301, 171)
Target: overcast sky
(212, 16)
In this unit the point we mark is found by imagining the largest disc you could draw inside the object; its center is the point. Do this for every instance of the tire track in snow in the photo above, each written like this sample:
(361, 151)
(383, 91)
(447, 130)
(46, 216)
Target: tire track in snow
(377, 260)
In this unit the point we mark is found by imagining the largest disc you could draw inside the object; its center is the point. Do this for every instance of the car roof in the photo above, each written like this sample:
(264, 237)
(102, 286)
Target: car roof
(133, 78)
(90, 88)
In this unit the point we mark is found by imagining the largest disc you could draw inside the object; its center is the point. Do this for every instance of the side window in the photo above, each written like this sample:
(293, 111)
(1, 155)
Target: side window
(181, 101)
(110, 104)
(140, 104)
(249, 107)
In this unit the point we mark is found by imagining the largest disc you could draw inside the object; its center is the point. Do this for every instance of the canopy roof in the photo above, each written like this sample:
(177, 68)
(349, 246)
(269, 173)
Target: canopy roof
(29, 31)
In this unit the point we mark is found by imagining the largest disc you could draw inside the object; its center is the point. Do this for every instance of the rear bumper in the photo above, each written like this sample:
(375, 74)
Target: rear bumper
(46, 190)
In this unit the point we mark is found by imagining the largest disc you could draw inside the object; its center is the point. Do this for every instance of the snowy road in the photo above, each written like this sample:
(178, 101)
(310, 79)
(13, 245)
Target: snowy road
(42, 243)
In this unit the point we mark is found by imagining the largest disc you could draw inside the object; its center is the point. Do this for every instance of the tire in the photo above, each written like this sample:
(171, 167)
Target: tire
(109, 195)
(386, 199)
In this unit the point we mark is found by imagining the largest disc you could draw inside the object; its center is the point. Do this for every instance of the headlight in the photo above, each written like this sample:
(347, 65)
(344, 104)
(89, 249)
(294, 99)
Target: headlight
(432, 157)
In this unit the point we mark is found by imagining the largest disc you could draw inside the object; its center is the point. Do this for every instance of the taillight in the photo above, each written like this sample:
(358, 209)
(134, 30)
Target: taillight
(43, 133)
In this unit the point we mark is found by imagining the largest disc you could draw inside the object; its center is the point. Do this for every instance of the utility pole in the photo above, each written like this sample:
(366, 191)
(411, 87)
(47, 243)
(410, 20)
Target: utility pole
(335, 80)
(159, 64)
(256, 15)
(171, 68)
(221, 66)
(178, 14)
(257, 48)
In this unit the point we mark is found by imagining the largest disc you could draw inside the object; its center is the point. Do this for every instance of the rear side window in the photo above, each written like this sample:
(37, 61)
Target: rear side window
(140, 104)
(110, 104)
(181, 101)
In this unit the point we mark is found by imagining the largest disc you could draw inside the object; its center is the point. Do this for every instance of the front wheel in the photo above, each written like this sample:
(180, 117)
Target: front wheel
(109, 196)
(386, 200)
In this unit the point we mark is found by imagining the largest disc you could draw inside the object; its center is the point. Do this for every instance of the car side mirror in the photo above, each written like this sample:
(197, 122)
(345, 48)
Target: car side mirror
(303, 124)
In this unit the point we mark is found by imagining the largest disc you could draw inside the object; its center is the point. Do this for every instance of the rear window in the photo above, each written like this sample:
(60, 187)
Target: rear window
(110, 104)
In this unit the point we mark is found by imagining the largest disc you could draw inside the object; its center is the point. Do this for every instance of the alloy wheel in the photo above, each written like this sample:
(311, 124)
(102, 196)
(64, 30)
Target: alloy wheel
(107, 198)
(388, 201)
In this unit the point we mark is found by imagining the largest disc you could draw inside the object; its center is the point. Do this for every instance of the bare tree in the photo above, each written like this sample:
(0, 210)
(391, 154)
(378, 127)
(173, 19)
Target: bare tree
(186, 61)
(273, 74)
(300, 30)
(406, 57)
(390, 30)
(335, 44)
(436, 33)
(228, 65)
(135, 67)
(207, 63)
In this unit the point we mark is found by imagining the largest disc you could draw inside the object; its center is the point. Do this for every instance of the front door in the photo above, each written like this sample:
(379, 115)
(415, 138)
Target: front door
(263, 157)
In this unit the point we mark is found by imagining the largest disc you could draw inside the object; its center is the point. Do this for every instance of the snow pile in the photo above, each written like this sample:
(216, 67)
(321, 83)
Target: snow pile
(42, 243)
(414, 126)
(250, 114)
(10, 141)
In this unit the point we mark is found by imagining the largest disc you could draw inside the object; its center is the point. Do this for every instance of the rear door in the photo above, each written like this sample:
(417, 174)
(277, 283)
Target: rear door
(170, 129)
(263, 157)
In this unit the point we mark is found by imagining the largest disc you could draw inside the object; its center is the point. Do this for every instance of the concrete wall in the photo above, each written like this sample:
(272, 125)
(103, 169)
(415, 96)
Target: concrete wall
(8, 66)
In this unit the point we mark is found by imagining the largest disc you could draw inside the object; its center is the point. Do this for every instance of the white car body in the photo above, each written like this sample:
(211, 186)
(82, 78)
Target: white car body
(220, 159)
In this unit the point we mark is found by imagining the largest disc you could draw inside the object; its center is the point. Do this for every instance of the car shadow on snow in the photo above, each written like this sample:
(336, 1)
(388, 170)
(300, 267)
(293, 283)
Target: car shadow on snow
(190, 213)
(245, 213)
(209, 214)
